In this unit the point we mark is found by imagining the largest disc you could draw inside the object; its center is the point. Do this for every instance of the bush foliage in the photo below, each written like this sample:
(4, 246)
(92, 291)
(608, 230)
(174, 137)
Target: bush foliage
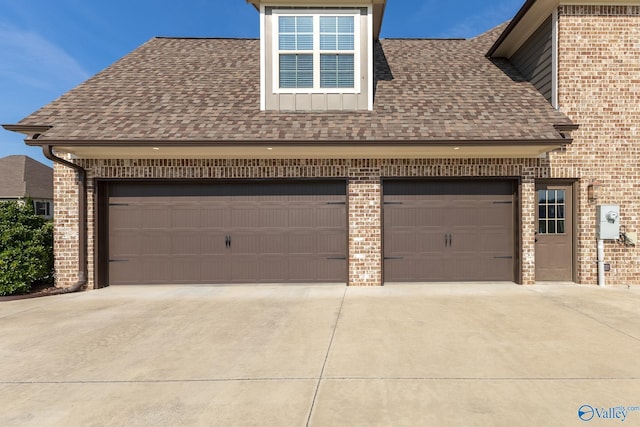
(26, 248)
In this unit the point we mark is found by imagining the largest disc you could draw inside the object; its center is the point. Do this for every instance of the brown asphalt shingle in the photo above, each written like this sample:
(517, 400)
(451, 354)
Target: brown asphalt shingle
(21, 176)
(209, 90)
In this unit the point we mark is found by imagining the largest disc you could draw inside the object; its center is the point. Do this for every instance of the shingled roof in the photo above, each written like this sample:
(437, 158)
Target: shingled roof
(173, 89)
(21, 176)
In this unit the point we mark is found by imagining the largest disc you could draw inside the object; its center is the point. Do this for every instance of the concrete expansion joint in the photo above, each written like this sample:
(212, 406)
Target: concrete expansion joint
(326, 356)
(483, 379)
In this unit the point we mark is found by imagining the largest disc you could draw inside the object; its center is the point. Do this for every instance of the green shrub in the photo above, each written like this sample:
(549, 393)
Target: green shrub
(26, 248)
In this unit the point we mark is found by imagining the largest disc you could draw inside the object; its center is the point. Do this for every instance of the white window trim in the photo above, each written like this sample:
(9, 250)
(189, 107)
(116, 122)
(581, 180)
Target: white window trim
(370, 57)
(316, 13)
(263, 56)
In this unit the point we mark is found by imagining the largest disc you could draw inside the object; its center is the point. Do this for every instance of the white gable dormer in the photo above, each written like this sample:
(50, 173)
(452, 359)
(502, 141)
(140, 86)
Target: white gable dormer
(318, 55)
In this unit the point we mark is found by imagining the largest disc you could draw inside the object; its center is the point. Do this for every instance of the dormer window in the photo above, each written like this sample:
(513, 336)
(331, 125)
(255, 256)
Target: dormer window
(316, 51)
(318, 55)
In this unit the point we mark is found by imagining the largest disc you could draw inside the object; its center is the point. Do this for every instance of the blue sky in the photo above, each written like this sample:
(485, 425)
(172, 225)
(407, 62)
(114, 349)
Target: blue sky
(47, 47)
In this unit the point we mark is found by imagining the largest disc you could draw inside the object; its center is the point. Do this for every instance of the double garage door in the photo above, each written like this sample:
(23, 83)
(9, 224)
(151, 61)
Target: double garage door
(296, 232)
(227, 233)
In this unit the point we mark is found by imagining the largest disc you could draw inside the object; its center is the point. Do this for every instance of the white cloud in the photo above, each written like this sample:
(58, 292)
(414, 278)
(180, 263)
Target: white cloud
(30, 60)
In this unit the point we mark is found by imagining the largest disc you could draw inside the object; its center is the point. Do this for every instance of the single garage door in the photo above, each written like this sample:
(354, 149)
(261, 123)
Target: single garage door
(449, 231)
(247, 232)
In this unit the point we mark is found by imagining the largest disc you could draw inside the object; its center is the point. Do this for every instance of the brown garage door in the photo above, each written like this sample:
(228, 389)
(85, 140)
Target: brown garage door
(449, 231)
(258, 232)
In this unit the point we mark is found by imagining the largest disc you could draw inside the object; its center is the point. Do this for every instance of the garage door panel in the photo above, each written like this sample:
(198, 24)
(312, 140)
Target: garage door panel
(122, 272)
(216, 269)
(186, 242)
(496, 241)
(245, 268)
(411, 266)
(400, 241)
(212, 242)
(156, 269)
(448, 230)
(303, 242)
(187, 217)
(330, 242)
(156, 216)
(123, 217)
(241, 232)
(125, 244)
(156, 242)
(186, 269)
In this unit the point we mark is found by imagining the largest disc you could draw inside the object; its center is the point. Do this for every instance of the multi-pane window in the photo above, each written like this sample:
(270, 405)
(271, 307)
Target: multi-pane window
(296, 35)
(336, 36)
(42, 208)
(316, 51)
(551, 211)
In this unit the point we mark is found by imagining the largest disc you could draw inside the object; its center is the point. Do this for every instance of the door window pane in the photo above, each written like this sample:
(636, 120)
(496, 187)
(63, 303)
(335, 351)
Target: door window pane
(560, 228)
(542, 227)
(551, 211)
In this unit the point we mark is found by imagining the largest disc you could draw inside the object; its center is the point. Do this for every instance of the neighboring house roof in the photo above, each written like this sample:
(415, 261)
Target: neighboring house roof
(175, 89)
(21, 176)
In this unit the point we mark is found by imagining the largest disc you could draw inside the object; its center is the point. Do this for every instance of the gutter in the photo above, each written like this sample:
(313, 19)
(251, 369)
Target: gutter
(82, 220)
(303, 143)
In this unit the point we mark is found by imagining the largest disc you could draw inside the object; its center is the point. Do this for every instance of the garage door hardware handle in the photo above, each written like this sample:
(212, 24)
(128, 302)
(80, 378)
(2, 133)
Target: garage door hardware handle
(447, 240)
(118, 260)
(227, 241)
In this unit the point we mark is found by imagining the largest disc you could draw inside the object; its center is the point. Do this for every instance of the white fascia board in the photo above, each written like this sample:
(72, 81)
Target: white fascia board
(263, 59)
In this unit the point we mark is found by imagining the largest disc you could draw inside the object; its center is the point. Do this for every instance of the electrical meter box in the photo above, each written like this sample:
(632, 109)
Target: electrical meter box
(608, 218)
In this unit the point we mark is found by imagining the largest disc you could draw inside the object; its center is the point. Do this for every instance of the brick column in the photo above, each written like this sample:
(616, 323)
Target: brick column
(65, 219)
(365, 227)
(529, 205)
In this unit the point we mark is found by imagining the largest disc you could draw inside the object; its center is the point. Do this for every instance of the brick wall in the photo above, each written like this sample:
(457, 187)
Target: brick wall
(599, 88)
(364, 197)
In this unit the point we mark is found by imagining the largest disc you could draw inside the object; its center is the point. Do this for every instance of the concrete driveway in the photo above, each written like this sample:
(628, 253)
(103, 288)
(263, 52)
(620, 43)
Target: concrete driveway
(404, 355)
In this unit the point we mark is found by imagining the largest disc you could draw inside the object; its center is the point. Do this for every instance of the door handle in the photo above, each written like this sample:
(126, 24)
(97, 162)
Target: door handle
(450, 240)
(227, 241)
(447, 240)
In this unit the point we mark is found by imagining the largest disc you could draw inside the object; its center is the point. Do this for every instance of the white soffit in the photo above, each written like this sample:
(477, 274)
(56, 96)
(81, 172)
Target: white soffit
(310, 152)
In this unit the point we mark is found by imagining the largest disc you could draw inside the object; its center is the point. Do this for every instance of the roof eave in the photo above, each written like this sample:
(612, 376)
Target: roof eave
(32, 132)
(305, 149)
